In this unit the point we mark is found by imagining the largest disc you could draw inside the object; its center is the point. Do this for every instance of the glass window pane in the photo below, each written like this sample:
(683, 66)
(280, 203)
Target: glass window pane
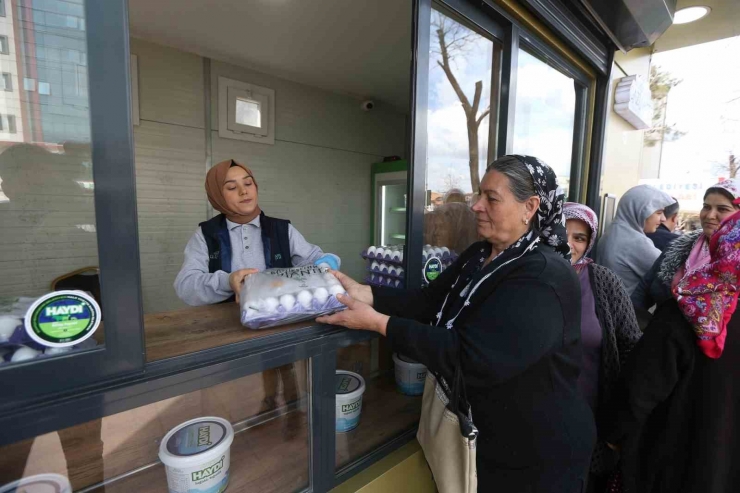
(544, 116)
(384, 411)
(47, 213)
(268, 412)
(460, 91)
(317, 174)
(248, 113)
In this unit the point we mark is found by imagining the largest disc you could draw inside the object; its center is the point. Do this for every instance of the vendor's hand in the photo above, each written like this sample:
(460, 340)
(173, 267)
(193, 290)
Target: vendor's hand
(236, 280)
(358, 315)
(355, 289)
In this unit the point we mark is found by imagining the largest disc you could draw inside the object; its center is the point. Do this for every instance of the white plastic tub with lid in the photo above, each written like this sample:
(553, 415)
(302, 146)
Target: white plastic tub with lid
(410, 375)
(40, 483)
(197, 455)
(349, 389)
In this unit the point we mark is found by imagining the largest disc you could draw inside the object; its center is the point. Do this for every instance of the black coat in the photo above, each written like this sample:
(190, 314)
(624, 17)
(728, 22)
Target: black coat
(520, 350)
(662, 237)
(677, 411)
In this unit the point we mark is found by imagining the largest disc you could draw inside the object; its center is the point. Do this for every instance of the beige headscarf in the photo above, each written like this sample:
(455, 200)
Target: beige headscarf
(215, 180)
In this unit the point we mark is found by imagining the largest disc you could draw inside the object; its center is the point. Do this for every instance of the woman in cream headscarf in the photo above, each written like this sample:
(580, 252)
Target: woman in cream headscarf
(624, 248)
(239, 241)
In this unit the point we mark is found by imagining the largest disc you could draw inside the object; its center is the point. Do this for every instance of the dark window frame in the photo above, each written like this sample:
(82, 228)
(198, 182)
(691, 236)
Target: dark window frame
(116, 378)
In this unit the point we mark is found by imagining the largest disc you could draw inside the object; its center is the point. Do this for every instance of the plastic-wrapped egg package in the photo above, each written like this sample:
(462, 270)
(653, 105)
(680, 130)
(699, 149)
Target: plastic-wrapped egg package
(7, 326)
(280, 296)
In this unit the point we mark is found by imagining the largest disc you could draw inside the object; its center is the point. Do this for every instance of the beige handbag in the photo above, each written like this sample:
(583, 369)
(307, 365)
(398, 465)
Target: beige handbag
(447, 436)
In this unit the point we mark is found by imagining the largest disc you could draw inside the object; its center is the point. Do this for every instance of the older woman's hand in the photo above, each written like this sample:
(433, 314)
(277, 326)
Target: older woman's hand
(358, 315)
(355, 289)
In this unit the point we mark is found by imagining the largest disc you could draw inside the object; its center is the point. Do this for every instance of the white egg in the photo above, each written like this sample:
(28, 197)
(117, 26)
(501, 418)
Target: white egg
(445, 250)
(250, 313)
(287, 301)
(396, 255)
(7, 326)
(398, 283)
(371, 251)
(269, 305)
(57, 350)
(321, 295)
(400, 258)
(384, 268)
(331, 280)
(381, 279)
(438, 252)
(24, 353)
(399, 271)
(379, 252)
(375, 266)
(392, 270)
(335, 290)
(305, 298)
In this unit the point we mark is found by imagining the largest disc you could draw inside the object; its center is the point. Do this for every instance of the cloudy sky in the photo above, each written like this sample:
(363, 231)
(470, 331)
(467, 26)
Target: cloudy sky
(706, 105)
(544, 113)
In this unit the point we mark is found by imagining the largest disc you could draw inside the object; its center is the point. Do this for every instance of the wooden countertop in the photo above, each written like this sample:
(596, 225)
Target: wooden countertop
(170, 334)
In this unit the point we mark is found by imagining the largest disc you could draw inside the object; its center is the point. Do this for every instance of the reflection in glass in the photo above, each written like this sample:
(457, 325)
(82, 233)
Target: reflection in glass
(47, 213)
(544, 116)
(460, 76)
(386, 413)
(269, 453)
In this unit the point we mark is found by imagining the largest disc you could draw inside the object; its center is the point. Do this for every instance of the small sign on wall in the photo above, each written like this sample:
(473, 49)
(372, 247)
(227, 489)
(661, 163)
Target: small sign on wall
(633, 101)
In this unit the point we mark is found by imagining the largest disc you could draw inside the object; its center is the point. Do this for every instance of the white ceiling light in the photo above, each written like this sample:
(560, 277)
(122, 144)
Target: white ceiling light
(690, 14)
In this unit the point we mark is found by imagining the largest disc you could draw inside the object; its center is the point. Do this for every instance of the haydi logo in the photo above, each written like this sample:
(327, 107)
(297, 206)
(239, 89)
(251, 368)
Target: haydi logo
(348, 408)
(204, 436)
(63, 311)
(208, 471)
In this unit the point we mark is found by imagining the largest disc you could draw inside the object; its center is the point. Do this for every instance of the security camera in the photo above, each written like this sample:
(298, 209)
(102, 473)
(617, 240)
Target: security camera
(367, 105)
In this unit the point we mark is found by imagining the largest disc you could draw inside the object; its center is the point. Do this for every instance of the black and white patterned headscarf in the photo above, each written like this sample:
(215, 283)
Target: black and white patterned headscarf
(548, 229)
(549, 222)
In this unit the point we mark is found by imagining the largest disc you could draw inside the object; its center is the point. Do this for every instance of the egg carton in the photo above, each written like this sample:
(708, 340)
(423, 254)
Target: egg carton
(281, 296)
(390, 254)
(386, 281)
(390, 270)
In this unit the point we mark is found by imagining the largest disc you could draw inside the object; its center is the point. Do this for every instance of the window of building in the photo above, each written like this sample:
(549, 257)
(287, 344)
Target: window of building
(246, 111)
(4, 45)
(7, 124)
(2, 8)
(45, 88)
(6, 82)
(29, 84)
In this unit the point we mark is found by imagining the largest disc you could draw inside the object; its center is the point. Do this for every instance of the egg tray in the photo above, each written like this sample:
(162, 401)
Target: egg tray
(385, 258)
(386, 273)
(384, 283)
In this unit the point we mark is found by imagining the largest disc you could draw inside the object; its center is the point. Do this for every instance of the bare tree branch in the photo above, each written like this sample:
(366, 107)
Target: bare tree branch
(483, 115)
(476, 97)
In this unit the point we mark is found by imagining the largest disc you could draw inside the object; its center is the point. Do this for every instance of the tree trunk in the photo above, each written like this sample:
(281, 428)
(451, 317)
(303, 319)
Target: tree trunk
(473, 153)
(733, 166)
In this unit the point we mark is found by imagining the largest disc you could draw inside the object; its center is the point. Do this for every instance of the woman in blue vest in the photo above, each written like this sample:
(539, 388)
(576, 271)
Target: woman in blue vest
(241, 240)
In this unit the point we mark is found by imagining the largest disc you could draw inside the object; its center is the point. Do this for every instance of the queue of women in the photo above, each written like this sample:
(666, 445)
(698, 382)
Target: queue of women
(566, 392)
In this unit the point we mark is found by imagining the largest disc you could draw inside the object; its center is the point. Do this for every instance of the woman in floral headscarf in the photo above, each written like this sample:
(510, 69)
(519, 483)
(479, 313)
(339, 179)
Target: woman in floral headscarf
(508, 310)
(688, 252)
(677, 409)
(609, 328)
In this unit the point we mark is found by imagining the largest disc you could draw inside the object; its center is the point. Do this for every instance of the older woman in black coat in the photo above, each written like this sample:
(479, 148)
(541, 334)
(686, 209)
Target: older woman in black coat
(511, 306)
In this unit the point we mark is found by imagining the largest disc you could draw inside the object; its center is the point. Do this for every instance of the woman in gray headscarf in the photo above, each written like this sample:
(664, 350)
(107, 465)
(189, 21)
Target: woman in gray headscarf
(624, 248)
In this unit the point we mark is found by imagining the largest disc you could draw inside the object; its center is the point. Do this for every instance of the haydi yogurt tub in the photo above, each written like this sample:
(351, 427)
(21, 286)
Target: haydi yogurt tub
(196, 455)
(349, 389)
(40, 483)
(410, 375)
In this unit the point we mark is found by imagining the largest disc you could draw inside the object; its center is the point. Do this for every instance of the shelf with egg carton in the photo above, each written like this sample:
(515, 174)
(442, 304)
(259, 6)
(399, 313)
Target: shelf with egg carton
(376, 279)
(392, 254)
